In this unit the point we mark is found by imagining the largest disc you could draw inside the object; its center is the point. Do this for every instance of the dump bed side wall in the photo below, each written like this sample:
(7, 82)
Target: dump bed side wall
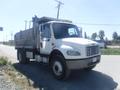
(26, 39)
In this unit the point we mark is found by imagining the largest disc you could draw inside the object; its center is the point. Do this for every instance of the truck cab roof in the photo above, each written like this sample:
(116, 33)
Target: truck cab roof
(59, 22)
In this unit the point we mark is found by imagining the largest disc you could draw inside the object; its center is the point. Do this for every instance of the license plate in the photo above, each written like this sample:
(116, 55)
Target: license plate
(94, 60)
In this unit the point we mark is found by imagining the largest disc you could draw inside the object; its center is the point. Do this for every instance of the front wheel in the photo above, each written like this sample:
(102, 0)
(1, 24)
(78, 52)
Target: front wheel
(59, 68)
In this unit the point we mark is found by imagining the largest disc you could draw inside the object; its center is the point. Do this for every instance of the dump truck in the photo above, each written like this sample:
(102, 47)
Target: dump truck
(58, 43)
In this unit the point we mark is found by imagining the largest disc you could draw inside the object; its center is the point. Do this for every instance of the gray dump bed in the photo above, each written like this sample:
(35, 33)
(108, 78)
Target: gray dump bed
(26, 39)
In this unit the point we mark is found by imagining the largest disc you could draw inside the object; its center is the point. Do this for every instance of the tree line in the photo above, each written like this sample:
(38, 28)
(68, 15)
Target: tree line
(94, 35)
(101, 36)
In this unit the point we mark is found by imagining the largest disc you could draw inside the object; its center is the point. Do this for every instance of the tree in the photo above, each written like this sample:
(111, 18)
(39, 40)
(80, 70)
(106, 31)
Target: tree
(101, 35)
(94, 36)
(118, 38)
(115, 36)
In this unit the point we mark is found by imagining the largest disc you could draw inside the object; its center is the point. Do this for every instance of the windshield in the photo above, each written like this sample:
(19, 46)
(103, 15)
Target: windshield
(62, 30)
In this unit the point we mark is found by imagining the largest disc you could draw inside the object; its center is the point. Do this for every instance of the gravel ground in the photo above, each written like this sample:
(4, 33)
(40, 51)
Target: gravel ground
(5, 83)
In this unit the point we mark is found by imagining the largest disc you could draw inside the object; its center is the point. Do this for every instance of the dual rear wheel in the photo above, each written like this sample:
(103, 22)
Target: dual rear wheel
(21, 54)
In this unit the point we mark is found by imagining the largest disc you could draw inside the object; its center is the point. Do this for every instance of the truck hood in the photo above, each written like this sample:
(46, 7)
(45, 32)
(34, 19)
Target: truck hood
(76, 44)
(78, 41)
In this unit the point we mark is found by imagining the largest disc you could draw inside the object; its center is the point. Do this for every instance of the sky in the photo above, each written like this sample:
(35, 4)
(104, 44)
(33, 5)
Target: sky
(91, 15)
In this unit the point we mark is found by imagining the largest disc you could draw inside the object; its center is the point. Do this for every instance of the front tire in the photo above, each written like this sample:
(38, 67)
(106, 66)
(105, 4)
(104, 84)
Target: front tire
(59, 68)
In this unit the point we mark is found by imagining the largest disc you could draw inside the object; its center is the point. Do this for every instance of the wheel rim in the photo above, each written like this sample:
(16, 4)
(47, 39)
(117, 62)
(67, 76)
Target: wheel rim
(57, 68)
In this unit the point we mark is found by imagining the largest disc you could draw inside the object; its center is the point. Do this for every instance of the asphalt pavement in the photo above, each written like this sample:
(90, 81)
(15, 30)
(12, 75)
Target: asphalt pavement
(105, 76)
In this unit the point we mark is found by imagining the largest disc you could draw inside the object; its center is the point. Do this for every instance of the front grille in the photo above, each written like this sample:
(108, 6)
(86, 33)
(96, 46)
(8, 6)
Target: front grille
(92, 50)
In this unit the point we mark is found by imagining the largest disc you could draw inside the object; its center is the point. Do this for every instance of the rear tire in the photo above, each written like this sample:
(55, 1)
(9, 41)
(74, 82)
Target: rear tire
(21, 54)
(59, 68)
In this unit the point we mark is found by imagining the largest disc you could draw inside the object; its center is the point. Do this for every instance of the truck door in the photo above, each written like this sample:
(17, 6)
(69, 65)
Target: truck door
(45, 39)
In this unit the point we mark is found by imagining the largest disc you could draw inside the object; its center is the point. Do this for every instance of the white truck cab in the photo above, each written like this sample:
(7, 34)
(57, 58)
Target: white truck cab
(59, 44)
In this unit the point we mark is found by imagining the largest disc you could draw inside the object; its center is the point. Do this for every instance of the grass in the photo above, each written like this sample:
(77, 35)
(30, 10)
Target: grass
(110, 51)
(3, 60)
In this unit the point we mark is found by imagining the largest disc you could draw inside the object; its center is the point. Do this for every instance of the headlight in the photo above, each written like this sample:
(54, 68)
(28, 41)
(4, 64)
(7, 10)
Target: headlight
(73, 53)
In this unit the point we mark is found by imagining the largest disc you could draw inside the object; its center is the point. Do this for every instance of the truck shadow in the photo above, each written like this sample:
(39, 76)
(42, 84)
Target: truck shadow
(78, 80)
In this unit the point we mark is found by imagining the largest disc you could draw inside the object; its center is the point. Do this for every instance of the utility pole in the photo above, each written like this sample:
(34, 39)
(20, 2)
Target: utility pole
(25, 24)
(80, 28)
(6, 37)
(11, 35)
(1, 29)
(58, 6)
(30, 24)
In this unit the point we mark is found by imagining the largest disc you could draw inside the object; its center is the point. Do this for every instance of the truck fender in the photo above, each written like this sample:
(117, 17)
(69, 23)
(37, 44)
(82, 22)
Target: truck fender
(55, 52)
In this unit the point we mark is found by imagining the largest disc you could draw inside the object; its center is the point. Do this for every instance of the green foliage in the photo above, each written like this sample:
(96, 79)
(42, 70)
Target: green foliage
(116, 39)
(111, 51)
(3, 60)
(101, 35)
(115, 36)
(94, 36)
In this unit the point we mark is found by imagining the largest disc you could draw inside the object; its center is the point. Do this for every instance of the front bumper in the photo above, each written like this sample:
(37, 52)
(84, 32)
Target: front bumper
(82, 63)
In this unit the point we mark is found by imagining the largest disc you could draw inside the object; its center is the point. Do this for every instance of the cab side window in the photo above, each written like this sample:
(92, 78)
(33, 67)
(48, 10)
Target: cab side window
(45, 32)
